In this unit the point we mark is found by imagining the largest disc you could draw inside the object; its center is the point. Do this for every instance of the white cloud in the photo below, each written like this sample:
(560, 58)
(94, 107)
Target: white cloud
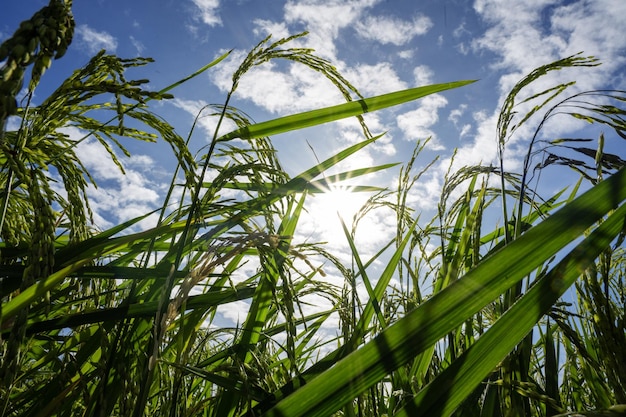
(208, 12)
(423, 75)
(524, 41)
(516, 34)
(465, 129)
(416, 124)
(392, 30)
(525, 35)
(455, 117)
(463, 48)
(119, 197)
(456, 114)
(294, 89)
(94, 41)
(483, 148)
(235, 312)
(406, 54)
(375, 79)
(461, 30)
(263, 27)
(425, 194)
(324, 19)
(139, 46)
(205, 121)
(297, 88)
(595, 27)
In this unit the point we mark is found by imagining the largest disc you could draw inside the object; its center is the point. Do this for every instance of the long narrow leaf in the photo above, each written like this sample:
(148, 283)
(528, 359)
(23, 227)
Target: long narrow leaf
(441, 397)
(201, 302)
(433, 319)
(341, 111)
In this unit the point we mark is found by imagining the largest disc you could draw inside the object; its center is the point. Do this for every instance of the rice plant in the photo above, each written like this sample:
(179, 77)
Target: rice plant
(126, 322)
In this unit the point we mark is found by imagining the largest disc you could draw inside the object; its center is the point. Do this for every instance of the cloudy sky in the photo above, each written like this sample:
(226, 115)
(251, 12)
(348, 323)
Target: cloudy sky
(380, 46)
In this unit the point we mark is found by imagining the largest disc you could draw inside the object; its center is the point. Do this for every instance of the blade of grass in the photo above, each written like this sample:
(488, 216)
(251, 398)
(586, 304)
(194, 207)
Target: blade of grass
(441, 397)
(203, 301)
(341, 111)
(259, 310)
(433, 319)
(373, 297)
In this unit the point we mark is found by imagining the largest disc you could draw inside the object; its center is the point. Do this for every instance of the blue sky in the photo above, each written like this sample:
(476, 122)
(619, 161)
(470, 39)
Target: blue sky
(378, 45)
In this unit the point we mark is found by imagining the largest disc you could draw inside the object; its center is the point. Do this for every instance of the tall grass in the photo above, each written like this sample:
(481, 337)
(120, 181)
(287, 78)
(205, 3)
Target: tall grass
(126, 322)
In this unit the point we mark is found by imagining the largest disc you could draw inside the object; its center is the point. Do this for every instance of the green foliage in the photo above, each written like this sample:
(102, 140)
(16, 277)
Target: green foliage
(43, 37)
(464, 318)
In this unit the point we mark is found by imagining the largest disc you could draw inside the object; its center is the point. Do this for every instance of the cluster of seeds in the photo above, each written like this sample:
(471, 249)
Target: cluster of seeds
(41, 257)
(39, 265)
(45, 36)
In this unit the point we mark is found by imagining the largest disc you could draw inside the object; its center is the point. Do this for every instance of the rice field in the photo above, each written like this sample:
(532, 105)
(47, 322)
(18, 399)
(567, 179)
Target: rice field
(466, 317)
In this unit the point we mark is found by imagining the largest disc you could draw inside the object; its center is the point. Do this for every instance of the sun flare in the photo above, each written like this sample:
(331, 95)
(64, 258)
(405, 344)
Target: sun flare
(338, 201)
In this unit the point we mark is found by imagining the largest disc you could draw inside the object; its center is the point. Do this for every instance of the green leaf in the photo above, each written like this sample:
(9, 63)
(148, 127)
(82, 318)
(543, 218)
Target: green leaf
(432, 320)
(442, 396)
(341, 111)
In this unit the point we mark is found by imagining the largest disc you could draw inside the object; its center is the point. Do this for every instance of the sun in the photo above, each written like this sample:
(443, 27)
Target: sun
(336, 202)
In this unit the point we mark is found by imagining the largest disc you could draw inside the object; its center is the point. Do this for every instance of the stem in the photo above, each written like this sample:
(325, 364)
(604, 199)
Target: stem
(153, 343)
